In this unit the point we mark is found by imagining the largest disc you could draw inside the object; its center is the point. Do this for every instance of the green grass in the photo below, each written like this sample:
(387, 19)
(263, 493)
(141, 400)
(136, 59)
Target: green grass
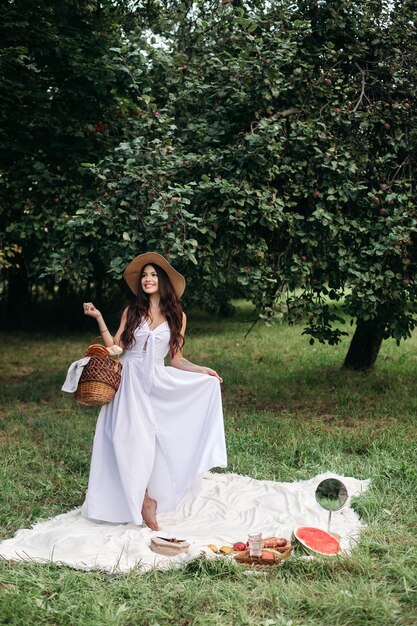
(290, 412)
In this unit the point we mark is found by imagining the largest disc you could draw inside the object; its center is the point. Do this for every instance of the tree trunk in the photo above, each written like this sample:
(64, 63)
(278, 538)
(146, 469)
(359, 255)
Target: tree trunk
(18, 305)
(365, 345)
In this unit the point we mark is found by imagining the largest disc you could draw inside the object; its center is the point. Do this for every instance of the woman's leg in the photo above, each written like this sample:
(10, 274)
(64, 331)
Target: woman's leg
(149, 512)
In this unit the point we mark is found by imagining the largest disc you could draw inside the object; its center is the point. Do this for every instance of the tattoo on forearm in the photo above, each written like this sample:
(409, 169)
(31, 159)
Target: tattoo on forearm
(189, 363)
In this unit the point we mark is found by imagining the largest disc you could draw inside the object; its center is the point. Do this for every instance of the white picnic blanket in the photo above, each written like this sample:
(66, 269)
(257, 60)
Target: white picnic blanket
(226, 509)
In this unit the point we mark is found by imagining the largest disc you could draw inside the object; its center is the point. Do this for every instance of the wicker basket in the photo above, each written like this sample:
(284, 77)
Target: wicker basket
(100, 378)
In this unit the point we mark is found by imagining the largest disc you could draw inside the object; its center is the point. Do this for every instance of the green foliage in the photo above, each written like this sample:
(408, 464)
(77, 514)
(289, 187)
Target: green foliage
(274, 148)
(268, 149)
(59, 90)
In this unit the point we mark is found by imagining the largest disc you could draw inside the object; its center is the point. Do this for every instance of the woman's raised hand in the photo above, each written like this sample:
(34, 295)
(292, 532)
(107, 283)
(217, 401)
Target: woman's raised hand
(90, 309)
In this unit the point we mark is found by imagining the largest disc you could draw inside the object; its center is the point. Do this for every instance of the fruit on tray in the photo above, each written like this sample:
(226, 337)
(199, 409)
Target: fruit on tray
(281, 542)
(239, 546)
(268, 556)
(314, 541)
(274, 542)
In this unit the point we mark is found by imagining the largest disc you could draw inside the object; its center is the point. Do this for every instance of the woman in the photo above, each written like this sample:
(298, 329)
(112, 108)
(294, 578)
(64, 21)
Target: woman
(164, 427)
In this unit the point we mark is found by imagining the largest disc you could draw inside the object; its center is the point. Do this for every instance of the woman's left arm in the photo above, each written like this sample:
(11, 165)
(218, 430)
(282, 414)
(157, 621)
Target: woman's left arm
(181, 363)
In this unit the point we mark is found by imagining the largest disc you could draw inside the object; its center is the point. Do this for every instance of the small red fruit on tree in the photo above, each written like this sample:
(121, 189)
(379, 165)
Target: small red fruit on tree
(383, 211)
(100, 127)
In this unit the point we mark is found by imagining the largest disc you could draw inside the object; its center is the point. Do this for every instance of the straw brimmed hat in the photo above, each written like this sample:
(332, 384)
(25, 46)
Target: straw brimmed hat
(135, 267)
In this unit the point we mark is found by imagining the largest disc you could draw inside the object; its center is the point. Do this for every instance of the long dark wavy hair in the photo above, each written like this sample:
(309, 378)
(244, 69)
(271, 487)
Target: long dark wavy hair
(171, 309)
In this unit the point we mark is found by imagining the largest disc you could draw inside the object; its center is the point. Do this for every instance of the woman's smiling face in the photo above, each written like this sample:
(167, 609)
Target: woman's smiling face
(149, 280)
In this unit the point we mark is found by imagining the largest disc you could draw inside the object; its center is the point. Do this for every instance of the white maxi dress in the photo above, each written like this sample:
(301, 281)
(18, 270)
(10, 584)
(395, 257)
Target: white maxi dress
(163, 429)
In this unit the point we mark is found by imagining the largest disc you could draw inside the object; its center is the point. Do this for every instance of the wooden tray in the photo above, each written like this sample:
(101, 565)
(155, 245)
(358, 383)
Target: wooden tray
(280, 555)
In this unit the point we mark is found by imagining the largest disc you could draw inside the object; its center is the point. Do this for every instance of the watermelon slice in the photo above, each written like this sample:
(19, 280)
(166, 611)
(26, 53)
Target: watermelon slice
(315, 541)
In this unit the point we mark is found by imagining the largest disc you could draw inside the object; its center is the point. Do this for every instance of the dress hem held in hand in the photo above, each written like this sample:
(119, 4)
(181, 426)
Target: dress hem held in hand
(162, 430)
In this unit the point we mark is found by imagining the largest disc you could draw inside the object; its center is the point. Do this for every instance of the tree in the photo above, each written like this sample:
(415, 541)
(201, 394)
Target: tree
(271, 147)
(60, 93)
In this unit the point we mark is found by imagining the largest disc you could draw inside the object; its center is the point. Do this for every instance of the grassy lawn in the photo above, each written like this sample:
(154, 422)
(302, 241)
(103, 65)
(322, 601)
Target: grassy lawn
(290, 412)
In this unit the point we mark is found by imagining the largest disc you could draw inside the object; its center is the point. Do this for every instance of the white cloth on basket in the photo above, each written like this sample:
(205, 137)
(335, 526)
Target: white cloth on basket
(74, 374)
(226, 508)
(162, 430)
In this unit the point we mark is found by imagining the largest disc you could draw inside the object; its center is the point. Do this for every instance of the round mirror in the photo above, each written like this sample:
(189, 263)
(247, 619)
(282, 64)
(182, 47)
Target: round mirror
(331, 494)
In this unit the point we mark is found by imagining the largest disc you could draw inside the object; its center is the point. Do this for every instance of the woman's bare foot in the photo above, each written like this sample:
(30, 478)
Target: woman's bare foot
(149, 512)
